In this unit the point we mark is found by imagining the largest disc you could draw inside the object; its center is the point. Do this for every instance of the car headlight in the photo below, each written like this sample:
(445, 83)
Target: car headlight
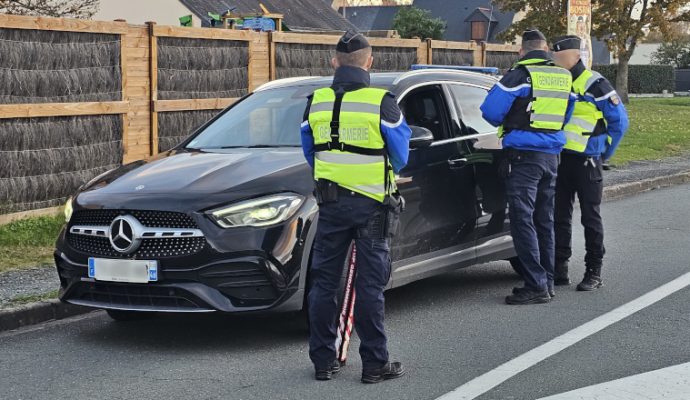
(263, 211)
(68, 209)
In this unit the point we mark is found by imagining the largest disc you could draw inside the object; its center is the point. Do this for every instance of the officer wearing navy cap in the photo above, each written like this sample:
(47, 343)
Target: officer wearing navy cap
(355, 138)
(530, 105)
(598, 124)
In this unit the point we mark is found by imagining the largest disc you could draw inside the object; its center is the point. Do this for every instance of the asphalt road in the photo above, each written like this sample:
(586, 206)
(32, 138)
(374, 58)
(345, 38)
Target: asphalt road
(447, 330)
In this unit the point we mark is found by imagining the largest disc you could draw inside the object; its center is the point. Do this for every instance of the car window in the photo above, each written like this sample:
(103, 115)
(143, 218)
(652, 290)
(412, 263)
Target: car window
(425, 107)
(468, 99)
(265, 118)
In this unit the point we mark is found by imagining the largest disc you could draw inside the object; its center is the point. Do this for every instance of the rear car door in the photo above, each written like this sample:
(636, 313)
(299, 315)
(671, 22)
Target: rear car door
(484, 156)
(438, 214)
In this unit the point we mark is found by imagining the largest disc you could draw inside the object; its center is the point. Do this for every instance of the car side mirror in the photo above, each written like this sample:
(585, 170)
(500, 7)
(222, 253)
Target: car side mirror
(421, 137)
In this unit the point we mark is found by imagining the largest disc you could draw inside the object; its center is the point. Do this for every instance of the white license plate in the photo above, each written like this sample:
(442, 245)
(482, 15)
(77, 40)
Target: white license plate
(131, 271)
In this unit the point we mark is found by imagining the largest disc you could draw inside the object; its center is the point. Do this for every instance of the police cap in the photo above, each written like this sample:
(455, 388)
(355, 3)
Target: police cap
(533, 34)
(567, 42)
(351, 41)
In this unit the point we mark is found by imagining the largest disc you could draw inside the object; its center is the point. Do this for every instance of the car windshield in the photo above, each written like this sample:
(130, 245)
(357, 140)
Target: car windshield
(269, 118)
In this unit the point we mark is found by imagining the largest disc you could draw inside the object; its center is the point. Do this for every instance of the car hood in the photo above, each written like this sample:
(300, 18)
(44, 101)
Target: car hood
(199, 179)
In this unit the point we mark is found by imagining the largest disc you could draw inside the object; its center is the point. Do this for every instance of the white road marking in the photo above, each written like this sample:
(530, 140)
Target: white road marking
(672, 383)
(483, 383)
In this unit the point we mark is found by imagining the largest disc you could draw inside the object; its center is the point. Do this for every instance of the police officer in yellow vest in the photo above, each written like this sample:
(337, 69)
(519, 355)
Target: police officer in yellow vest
(598, 124)
(531, 104)
(355, 138)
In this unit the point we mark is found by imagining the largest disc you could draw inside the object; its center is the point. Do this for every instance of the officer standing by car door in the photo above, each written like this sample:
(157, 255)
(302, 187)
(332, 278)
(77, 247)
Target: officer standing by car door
(355, 138)
(593, 133)
(531, 103)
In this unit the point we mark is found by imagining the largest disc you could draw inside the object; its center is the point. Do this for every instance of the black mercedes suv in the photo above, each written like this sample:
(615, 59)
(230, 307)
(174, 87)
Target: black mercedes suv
(225, 221)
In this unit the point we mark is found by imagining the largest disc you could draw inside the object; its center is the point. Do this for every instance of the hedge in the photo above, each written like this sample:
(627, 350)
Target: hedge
(642, 78)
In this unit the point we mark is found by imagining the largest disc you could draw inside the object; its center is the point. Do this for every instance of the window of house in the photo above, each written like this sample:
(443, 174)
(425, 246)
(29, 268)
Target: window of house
(479, 30)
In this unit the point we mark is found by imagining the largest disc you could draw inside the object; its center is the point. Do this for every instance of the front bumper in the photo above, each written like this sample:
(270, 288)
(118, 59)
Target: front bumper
(257, 270)
(229, 287)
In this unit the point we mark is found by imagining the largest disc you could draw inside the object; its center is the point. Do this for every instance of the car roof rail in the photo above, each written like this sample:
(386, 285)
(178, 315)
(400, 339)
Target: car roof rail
(279, 82)
(481, 70)
(426, 71)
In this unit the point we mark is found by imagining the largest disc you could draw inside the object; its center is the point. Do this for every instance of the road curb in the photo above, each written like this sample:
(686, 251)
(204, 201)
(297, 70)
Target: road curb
(622, 190)
(35, 313)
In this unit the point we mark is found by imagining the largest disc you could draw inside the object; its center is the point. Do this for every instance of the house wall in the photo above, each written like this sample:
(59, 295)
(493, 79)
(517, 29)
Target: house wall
(643, 53)
(164, 12)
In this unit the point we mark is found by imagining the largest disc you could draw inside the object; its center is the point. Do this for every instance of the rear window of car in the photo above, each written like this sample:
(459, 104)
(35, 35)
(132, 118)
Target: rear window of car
(468, 99)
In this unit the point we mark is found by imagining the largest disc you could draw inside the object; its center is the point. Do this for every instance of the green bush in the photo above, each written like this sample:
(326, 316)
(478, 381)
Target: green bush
(642, 78)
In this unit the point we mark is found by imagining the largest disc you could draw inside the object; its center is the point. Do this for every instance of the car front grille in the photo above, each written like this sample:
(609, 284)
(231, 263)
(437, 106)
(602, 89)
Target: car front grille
(152, 219)
(150, 248)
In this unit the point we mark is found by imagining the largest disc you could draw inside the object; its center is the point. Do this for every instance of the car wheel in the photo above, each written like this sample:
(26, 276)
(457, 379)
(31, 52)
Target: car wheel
(517, 266)
(121, 315)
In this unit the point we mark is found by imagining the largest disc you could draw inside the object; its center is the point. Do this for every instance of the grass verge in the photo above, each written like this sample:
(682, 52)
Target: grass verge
(659, 128)
(29, 242)
(30, 298)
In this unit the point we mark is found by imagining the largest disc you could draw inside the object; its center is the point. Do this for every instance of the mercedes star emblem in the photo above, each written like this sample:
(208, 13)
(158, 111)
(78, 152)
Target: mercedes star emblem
(123, 234)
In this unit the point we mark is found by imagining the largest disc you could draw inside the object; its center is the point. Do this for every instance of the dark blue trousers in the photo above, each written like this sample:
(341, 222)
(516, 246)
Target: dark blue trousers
(337, 226)
(530, 188)
(578, 175)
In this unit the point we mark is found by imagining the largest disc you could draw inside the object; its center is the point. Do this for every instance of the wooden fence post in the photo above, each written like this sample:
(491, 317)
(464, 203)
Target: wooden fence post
(153, 77)
(478, 54)
(123, 75)
(271, 57)
(423, 52)
(429, 51)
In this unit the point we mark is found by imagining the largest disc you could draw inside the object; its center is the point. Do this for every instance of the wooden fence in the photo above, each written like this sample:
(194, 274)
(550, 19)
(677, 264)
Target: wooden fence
(172, 79)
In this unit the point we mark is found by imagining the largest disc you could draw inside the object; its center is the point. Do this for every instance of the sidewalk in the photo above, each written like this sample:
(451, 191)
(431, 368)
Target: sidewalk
(639, 170)
(620, 182)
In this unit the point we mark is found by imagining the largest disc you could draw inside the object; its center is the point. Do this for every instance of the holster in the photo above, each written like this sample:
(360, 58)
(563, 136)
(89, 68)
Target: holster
(385, 223)
(325, 191)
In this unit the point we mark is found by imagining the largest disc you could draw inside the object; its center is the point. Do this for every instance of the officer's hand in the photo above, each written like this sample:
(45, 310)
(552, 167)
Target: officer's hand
(605, 165)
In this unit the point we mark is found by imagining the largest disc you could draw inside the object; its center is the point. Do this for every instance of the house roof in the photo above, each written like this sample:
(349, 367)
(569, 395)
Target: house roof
(481, 15)
(454, 12)
(371, 18)
(310, 15)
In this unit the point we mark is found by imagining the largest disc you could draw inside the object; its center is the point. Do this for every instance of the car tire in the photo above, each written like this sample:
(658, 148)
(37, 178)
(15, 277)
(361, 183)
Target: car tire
(517, 266)
(122, 315)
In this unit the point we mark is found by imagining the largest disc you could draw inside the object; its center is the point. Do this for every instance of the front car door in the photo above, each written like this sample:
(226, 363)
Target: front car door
(440, 215)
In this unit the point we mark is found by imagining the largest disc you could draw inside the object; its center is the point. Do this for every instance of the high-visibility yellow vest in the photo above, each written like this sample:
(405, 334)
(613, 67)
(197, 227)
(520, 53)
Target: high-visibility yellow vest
(349, 147)
(586, 116)
(545, 111)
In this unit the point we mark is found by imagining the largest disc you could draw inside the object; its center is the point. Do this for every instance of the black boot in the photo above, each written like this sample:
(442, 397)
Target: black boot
(552, 292)
(526, 296)
(325, 374)
(389, 371)
(560, 277)
(592, 280)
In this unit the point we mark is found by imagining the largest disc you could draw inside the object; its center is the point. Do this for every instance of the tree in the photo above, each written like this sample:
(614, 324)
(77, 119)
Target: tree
(622, 23)
(675, 52)
(547, 15)
(51, 8)
(413, 22)
(625, 22)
